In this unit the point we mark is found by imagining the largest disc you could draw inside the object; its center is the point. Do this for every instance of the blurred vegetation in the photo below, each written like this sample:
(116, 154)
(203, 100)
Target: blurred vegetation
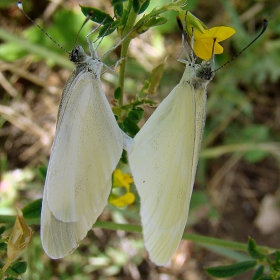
(239, 164)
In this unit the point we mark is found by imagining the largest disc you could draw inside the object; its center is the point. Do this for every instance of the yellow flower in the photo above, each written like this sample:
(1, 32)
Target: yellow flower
(18, 240)
(121, 180)
(203, 42)
(204, 38)
(122, 201)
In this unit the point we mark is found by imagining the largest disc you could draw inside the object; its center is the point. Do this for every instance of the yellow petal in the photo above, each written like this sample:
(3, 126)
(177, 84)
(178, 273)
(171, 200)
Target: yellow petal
(204, 38)
(221, 33)
(121, 180)
(127, 178)
(122, 201)
(117, 178)
(199, 35)
(203, 49)
(203, 43)
(218, 48)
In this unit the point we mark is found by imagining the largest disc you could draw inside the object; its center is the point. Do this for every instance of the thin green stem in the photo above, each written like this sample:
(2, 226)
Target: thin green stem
(199, 239)
(128, 27)
(158, 11)
(9, 219)
(124, 52)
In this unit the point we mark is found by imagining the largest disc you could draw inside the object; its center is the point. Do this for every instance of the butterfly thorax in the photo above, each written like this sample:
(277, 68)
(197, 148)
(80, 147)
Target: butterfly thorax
(84, 62)
(198, 75)
(204, 71)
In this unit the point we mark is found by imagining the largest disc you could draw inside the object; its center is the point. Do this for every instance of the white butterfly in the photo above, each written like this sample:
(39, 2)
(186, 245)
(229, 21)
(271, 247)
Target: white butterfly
(86, 150)
(163, 159)
(87, 147)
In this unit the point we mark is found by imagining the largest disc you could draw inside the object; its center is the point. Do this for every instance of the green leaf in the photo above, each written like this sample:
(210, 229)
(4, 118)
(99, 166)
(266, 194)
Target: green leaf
(144, 6)
(258, 273)
(17, 268)
(97, 16)
(118, 10)
(43, 171)
(136, 114)
(118, 93)
(277, 256)
(259, 133)
(199, 198)
(155, 78)
(124, 157)
(3, 246)
(121, 125)
(2, 229)
(136, 6)
(194, 21)
(106, 30)
(33, 209)
(267, 278)
(255, 156)
(116, 24)
(140, 112)
(150, 23)
(138, 102)
(230, 270)
(276, 264)
(144, 89)
(150, 86)
(253, 251)
(117, 2)
(130, 126)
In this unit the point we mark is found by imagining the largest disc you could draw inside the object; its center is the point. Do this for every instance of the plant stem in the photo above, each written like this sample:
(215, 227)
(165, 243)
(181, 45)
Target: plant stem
(9, 219)
(199, 239)
(128, 27)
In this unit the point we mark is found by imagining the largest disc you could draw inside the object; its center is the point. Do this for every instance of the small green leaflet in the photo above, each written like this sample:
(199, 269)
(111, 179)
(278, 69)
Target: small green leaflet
(97, 16)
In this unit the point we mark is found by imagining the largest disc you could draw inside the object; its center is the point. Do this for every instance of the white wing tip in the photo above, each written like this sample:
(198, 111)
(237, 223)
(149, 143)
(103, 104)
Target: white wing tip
(56, 253)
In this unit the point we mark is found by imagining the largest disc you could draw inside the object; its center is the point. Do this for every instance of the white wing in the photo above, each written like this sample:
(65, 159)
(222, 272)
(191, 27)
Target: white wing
(86, 150)
(59, 238)
(163, 159)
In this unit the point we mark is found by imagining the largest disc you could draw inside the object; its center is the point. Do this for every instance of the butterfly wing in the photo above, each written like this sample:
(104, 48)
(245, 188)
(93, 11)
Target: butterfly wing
(163, 163)
(87, 147)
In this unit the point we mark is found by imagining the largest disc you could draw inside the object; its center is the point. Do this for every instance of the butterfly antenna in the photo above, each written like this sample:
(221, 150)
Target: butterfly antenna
(19, 4)
(85, 21)
(262, 31)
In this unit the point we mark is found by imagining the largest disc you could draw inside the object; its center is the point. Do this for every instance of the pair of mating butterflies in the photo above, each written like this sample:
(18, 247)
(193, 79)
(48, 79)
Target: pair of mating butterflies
(87, 147)
(88, 144)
